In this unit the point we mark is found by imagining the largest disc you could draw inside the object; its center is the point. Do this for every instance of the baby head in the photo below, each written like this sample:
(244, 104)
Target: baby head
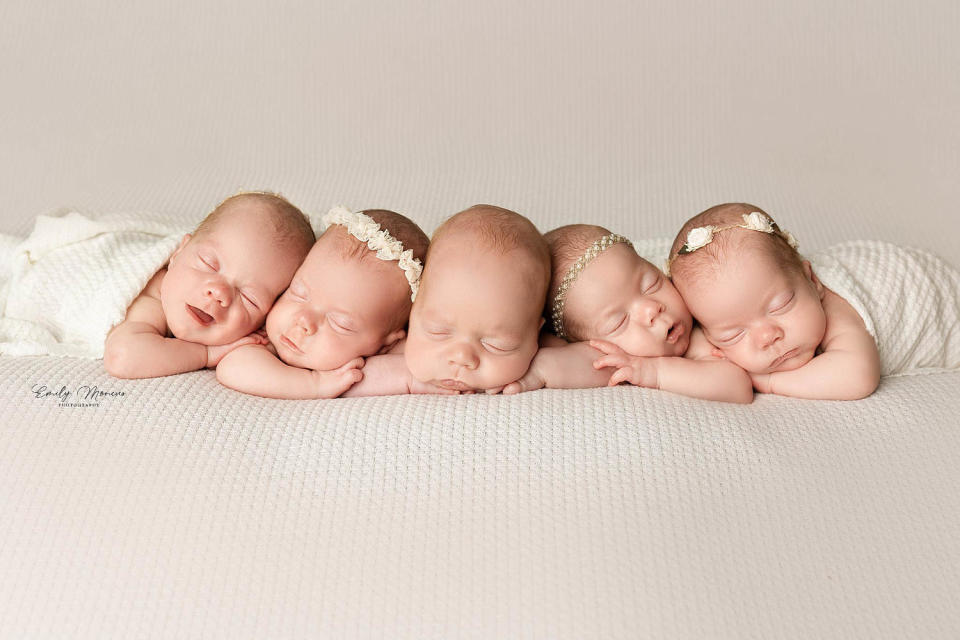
(223, 278)
(757, 299)
(476, 321)
(350, 298)
(601, 289)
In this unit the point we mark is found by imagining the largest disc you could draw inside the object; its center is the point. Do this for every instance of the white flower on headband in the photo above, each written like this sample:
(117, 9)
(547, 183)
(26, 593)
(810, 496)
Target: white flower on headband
(365, 229)
(786, 235)
(758, 222)
(697, 238)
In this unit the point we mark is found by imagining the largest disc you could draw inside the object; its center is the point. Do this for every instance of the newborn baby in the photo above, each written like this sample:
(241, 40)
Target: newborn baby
(811, 328)
(349, 299)
(475, 322)
(215, 290)
(606, 297)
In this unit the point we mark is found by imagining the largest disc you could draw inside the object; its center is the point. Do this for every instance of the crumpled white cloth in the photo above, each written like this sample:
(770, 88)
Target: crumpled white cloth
(908, 299)
(71, 280)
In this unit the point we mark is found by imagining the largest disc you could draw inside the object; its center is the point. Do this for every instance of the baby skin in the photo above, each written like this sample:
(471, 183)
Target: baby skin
(476, 319)
(628, 324)
(215, 291)
(763, 308)
(343, 304)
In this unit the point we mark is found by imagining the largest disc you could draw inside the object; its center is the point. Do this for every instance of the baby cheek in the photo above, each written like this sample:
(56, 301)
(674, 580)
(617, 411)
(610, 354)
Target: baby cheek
(418, 358)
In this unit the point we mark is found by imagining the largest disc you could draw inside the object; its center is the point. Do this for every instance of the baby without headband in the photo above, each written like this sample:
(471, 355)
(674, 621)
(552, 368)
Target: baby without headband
(700, 237)
(560, 300)
(365, 229)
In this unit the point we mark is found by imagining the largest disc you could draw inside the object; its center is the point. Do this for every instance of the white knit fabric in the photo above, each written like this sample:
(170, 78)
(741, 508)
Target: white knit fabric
(908, 299)
(66, 285)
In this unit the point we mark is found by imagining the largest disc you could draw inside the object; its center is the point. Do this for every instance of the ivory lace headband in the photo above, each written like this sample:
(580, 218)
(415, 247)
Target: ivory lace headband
(365, 229)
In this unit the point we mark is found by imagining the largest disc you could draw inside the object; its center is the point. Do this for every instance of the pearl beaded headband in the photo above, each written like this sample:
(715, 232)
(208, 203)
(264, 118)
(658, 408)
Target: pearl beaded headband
(559, 301)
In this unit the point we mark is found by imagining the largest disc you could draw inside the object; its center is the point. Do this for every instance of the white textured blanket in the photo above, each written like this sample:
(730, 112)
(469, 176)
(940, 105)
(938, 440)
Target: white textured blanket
(72, 279)
(909, 300)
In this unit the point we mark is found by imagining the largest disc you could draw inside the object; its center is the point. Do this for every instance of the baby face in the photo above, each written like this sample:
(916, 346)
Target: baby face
(622, 298)
(758, 315)
(220, 285)
(337, 308)
(475, 322)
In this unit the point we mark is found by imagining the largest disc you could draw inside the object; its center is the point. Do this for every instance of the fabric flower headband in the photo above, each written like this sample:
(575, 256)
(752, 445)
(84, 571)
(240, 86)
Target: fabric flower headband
(560, 300)
(700, 237)
(365, 229)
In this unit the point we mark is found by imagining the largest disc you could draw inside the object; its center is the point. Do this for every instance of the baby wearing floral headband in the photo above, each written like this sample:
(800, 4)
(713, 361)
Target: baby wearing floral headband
(603, 296)
(812, 328)
(349, 299)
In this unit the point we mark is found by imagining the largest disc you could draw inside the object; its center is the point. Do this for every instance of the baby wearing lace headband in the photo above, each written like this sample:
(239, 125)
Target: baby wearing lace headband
(825, 327)
(475, 324)
(627, 324)
(349, 299)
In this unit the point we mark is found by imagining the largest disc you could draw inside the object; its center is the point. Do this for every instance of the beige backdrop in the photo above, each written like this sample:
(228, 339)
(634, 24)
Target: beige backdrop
(635, 115)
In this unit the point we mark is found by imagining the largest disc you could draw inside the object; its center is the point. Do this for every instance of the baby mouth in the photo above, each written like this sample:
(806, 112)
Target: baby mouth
(789, 354)
(675, 333)
(200, 316)
(454, 385)
(289, 344)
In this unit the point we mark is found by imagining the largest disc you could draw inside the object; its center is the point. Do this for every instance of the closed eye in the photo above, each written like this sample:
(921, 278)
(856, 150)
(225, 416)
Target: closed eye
(619, 325)
(730, 339)
(493, 348)
(208, 263)
(784, 305)
(339, 326)
(249, 299)
(654, 286)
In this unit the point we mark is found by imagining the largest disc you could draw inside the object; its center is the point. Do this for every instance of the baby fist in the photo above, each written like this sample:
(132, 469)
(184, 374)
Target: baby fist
(215, 353)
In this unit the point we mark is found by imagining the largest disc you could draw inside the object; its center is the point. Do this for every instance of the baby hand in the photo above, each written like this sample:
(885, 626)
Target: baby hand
(330, 384)
(215, 353)
(531, 381)
(762, 382)
(636, 370)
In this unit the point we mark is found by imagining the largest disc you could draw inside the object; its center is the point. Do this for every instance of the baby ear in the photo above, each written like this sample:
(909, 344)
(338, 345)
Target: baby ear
(812, 277)
(183, 243)
(391, 340)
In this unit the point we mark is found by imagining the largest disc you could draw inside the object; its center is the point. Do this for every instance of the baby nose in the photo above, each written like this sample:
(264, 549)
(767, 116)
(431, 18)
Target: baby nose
(768, 334)
(462, 355)
(307, 323)
(650, 309)
(219, 292)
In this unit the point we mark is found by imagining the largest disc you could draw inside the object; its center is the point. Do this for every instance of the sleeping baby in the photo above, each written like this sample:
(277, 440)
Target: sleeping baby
(627, 323)
(825, 327)
(349, 299)
(475, 322)
(214, 292)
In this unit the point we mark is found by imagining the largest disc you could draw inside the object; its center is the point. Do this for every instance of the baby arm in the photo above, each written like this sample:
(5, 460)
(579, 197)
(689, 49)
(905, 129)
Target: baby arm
(697, 374)
(138, 346)
(567, 366)
(388, 375)
(254, 369)
(847, 369)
